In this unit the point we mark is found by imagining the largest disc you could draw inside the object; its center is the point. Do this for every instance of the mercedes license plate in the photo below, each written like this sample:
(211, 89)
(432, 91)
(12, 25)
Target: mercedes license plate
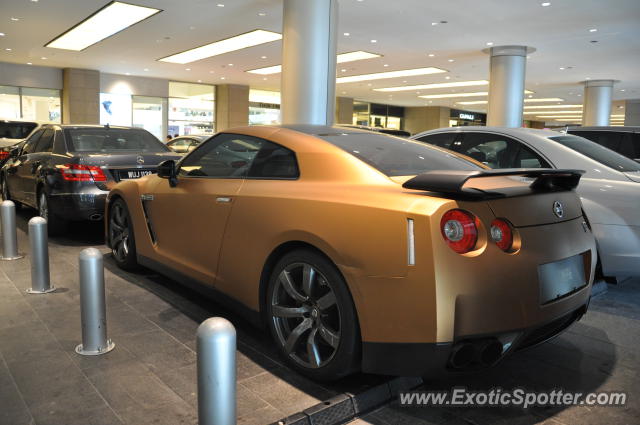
(134, 174)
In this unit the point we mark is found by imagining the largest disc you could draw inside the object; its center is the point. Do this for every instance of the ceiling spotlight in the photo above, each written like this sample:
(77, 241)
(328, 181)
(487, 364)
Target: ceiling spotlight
(264, 79)
(385, 65)
(222, 78)
(431, 55)
(374, 41)
(199, 81)
(146, 69)
(451, 60)
(29, 63)
(346, 34)
(593, 30)
(447, 78)
(8, 49)
(187, 69)
(127, 73)
(262, 14)
(562, 68)
(490, 43)
(43, 58)
(15, 19)
(2, 34)
(343, 70)
(220, 5)
(545, 4)
(230, 64)
(263, 57)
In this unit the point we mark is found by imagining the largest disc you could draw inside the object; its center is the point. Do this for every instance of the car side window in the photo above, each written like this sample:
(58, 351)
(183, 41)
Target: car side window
(526, 158)
(444, 140)
(30, 145)
(274, 162)
(498, 151)
(224, 156)
(45, 144)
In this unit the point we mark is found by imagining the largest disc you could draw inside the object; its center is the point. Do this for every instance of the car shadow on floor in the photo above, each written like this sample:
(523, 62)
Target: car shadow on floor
(75, 233)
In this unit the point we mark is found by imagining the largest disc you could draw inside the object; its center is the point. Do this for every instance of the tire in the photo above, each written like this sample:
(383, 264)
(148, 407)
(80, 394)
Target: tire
(6, 196)
(55, 225)
(312, 317)
(121, 236)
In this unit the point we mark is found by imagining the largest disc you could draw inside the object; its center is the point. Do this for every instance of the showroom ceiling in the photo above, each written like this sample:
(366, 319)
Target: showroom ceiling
(575, 40)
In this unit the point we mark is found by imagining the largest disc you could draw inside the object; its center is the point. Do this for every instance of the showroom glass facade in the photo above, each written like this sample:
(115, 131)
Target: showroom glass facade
(460, 118)
(378, 115)
(264, 107)
(191, 108)
(30, 104)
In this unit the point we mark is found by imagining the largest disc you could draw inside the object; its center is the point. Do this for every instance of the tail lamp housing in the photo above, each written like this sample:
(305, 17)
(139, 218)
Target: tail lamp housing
(460, 230)
(82, 173)
(502, 234)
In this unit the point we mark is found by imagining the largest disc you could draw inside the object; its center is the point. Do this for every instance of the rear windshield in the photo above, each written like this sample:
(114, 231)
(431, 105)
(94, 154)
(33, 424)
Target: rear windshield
(598, 153)
(112, 140)
(16, 130)
(397, 157)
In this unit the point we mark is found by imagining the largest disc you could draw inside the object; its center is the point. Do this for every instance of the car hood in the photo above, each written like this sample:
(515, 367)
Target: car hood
(633, 176)
(120, 160)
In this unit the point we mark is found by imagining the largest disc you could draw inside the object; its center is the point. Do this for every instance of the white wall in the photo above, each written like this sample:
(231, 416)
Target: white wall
(12, 74)
(140, 86)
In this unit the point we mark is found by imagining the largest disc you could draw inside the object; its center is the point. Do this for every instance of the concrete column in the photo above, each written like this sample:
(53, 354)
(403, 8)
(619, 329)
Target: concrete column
(80, 96)
(597, 102)
(632, 112)
(423, 118)
(344, 110)
(232, 106)
(309, 29)
(506, 85)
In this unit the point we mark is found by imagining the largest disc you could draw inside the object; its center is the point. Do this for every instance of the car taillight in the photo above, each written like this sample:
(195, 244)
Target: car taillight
(4, 155)
(502, 234)
(82, 173)
(459, 230)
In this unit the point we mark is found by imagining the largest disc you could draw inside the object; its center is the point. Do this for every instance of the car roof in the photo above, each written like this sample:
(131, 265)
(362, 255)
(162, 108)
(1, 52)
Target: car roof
(616, 129)
(515, 131)
(322, 130)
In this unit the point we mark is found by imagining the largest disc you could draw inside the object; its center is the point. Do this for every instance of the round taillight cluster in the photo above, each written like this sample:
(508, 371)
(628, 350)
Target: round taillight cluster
(459, 230)
(502, 234)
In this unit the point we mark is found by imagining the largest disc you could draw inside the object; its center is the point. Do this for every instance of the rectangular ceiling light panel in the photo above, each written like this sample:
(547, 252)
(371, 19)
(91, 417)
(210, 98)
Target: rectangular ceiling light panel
(341, 58)
(391, 74)
(111, 19)
(553, 106)
(435, 86)
(242, 41)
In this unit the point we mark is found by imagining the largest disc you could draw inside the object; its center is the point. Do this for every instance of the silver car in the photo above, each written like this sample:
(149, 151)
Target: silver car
(609, 189)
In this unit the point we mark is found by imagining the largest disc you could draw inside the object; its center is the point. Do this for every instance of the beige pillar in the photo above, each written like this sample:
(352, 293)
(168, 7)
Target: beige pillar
(232, 106)
(80, 96)
(422, 118)
(344, 110)
(632, 112)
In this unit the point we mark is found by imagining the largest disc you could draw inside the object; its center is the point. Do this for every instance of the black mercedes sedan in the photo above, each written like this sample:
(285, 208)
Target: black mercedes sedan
(66, 171)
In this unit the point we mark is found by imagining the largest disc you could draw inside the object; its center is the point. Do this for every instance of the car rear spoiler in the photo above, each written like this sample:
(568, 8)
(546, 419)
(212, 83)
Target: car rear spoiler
(452, 182)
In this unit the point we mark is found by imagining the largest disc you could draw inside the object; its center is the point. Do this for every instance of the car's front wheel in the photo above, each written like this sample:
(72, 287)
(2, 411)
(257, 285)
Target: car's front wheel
(312, 317)
(121, 237)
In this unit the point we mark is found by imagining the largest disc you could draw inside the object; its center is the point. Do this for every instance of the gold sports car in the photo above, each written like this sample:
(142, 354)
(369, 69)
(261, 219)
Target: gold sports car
(364, 251)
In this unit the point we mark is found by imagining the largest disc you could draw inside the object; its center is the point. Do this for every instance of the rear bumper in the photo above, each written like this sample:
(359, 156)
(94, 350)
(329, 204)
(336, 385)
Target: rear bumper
(618, 248)
(88, 204)
(435, 359)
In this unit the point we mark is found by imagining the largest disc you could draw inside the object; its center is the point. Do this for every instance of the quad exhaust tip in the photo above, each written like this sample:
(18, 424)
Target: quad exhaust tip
(483, 352)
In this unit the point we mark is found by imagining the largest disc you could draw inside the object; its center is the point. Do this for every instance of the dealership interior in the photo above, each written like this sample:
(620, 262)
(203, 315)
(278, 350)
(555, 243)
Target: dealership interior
(277, 212)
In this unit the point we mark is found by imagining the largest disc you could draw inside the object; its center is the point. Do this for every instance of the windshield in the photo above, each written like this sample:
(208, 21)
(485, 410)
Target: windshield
(397, 157)
(16, 130)
(112, 140)
(598, 153)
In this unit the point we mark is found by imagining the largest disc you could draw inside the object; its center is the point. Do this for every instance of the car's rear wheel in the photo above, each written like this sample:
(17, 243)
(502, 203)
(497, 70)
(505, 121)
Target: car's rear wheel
(121, 237)
(55, 224)
(312, 317)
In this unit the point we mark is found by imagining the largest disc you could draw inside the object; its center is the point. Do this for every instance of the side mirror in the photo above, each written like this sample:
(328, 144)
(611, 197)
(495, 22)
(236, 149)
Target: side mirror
(167, 170)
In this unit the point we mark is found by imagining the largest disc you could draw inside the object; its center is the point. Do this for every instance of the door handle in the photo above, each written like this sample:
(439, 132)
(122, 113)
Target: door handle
(223, 199)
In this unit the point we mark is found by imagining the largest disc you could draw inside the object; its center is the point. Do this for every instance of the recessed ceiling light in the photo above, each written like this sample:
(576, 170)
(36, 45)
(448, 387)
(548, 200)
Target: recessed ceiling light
(390, 74)
(199, 81)
(343, 70)
(559, 116)
(8, 49)
(553, 106)
(545, 4)
(15, 19)
(34, 1)
(29, 63)
(341, 58)
(230, 64)
(435, 86)
(562, 68)
(622, 90)
(127, 73)
(473, 102)
(187, 69)
(109, 20)
(43, 58)
(434, 24)
(220, 5)
(211, 72)
(593, 30)
(232, 44)
(447, 78)
(385, 65)
(262, 14)
(451, 60)
(569, 113)
(490, 43)
(2, 34)
(264, 79)
(374, 41)
(431, 55)
(369, 84)
(449, 95)
(222, 78)
(346, 34)
(543, 99)
(146, 69)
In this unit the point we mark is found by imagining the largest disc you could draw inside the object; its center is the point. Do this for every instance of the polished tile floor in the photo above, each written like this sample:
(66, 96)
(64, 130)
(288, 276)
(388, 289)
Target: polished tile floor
(150, 377)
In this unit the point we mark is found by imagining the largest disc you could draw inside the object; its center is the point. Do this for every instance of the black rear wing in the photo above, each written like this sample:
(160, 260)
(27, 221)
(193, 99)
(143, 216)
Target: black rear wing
(535, 180)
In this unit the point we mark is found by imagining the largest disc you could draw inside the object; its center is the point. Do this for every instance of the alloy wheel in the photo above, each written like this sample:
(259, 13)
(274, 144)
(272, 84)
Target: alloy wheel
(119, 232)
(305, 315)
(43, 207)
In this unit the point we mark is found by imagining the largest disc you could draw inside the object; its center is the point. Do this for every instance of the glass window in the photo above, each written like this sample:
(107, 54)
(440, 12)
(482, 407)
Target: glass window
(226, 156)
(191, 109)
(148, 113)
(443, 140)
(498, 151)
(41, 104)
(9, 102)
(598, 153)
(30, 145)
(16, 129)
(45, 144)
(274, 162)
(115, 109)
(397, 157)
(112, 140)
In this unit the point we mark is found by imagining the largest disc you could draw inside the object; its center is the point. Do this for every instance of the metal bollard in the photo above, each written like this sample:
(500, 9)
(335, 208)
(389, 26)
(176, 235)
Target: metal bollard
(40, 281)
(92, 305)
(216, 347)
(9, 236)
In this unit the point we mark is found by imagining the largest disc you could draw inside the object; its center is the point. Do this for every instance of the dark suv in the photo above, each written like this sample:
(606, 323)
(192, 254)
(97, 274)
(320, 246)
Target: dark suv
(624, 140)
(66, 171)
